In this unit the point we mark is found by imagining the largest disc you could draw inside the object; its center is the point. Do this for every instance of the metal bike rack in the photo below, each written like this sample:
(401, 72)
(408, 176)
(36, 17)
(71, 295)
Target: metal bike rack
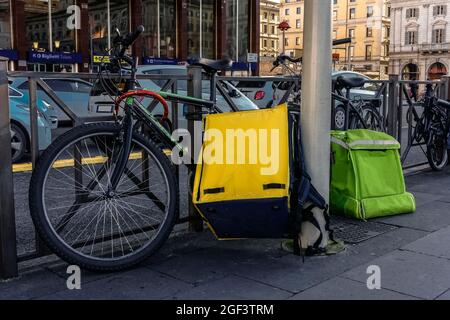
(8, 249)
(391, 93)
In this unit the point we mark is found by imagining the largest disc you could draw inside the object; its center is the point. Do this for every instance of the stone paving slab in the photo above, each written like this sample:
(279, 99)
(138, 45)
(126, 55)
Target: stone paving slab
(444, 296)
(214, 263)
(409, 273)
(423, 198)
(435, 244)
(428, 217)
(32, 285)
(233, 288)
(137, 284)
(346, 289)
(440, 187)
(290, 273)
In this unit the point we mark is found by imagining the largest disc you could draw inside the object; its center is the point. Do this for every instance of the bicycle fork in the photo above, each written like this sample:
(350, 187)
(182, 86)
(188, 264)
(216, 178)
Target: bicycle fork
(125, 136)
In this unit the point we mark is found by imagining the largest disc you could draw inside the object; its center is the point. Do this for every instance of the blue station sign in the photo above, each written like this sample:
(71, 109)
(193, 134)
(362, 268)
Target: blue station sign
(54, 57)
(160, 61)
(10, 54)
(244, 66)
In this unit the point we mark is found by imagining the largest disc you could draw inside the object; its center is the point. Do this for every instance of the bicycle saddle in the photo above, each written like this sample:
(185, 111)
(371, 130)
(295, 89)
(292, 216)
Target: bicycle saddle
(212, 66)
(350, 81)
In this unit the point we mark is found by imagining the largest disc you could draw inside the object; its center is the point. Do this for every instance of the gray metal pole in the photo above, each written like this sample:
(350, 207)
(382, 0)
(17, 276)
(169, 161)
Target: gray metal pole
(8, 249)
(194, 90)
(34, 147)
(444, 94)
(393, 104)
(316, 105)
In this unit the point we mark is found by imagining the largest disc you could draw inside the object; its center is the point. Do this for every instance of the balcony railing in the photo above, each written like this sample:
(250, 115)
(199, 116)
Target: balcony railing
(435, 47)
(423, 48)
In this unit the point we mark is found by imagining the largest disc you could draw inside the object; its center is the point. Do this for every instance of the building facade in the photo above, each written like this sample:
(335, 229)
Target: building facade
(420, 43)
(269, 34)
(291, 41)
(366, 22)
(70, 34)
(270, 18)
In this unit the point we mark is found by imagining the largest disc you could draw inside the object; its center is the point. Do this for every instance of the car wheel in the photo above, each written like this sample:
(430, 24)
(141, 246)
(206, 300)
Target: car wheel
(18, 143)
(339, 118)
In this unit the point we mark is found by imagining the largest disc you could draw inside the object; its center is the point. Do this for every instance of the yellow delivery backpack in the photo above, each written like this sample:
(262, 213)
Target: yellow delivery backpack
(250, 180)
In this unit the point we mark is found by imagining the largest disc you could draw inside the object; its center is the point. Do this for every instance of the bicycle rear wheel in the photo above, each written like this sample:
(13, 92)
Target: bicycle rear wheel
(370, 119)
(437, 151)
(86, 225)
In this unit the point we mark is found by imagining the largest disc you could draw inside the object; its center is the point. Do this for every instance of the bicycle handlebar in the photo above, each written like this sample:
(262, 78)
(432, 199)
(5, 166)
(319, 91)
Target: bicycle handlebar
(281, 59)
(338, 42)
(132, 37)
(128, 40)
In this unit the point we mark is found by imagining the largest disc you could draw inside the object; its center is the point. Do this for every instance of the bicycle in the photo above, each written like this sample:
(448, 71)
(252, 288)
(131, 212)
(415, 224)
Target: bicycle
(431, 128)
(355, 113)
(104, 196)
(361, 114)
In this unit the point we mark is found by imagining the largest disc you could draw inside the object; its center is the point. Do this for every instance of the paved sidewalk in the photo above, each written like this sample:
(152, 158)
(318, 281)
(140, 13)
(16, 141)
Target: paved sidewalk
(414, 257)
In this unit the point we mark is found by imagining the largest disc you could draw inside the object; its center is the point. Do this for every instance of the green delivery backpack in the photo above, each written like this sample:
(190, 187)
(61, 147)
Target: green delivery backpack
(367, 177)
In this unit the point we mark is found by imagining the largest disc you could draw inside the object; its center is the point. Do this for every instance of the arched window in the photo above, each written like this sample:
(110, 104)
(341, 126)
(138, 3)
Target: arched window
(436, 71)
(410, 72)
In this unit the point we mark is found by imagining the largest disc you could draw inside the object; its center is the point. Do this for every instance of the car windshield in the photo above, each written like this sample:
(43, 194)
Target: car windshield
(251, 84)
(181, 85)
(63, 85)
(14, 93)
(370, 87)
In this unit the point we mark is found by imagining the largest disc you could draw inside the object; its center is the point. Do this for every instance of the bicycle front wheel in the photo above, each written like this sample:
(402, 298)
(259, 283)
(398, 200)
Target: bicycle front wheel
(85, 224)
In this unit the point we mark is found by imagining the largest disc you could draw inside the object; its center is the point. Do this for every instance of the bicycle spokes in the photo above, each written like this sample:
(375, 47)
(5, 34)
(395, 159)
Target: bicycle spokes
(90, 217)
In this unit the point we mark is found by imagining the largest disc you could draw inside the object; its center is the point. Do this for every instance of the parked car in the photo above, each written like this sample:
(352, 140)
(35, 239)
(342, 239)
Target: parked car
(74, 92)
(101, 104)
(20, 124)
(265, 94)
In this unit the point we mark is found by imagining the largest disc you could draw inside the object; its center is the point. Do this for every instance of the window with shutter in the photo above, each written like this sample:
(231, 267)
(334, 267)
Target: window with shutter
(412, 13)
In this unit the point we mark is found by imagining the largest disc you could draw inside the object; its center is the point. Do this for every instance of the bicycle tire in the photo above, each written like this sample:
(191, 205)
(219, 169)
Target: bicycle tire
(372, 120)
(436, 146)
(47, 231)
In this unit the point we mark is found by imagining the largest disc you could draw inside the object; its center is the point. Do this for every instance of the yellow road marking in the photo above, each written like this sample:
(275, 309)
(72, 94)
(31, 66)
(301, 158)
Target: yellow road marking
(67, 163)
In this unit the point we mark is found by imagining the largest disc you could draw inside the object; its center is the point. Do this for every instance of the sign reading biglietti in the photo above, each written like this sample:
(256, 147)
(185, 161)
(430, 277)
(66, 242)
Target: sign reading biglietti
(54, 57)
(160, 61)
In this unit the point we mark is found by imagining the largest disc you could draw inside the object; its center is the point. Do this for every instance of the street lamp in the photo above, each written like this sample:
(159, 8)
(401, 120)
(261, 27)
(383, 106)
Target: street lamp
(284, 26)
(35, 45)
(57, 44)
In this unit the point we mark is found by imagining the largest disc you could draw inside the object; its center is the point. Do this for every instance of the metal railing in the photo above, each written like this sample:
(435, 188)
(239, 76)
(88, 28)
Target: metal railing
(391, 94)
(9, 257)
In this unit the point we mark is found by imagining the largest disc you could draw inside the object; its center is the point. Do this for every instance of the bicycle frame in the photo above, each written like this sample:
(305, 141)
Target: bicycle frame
(134, 107)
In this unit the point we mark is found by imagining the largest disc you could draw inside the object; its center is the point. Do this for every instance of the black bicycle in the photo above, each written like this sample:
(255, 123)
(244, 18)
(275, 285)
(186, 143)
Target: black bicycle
(104, 196)
(430, 128)
(348, 112)
(354, 112)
